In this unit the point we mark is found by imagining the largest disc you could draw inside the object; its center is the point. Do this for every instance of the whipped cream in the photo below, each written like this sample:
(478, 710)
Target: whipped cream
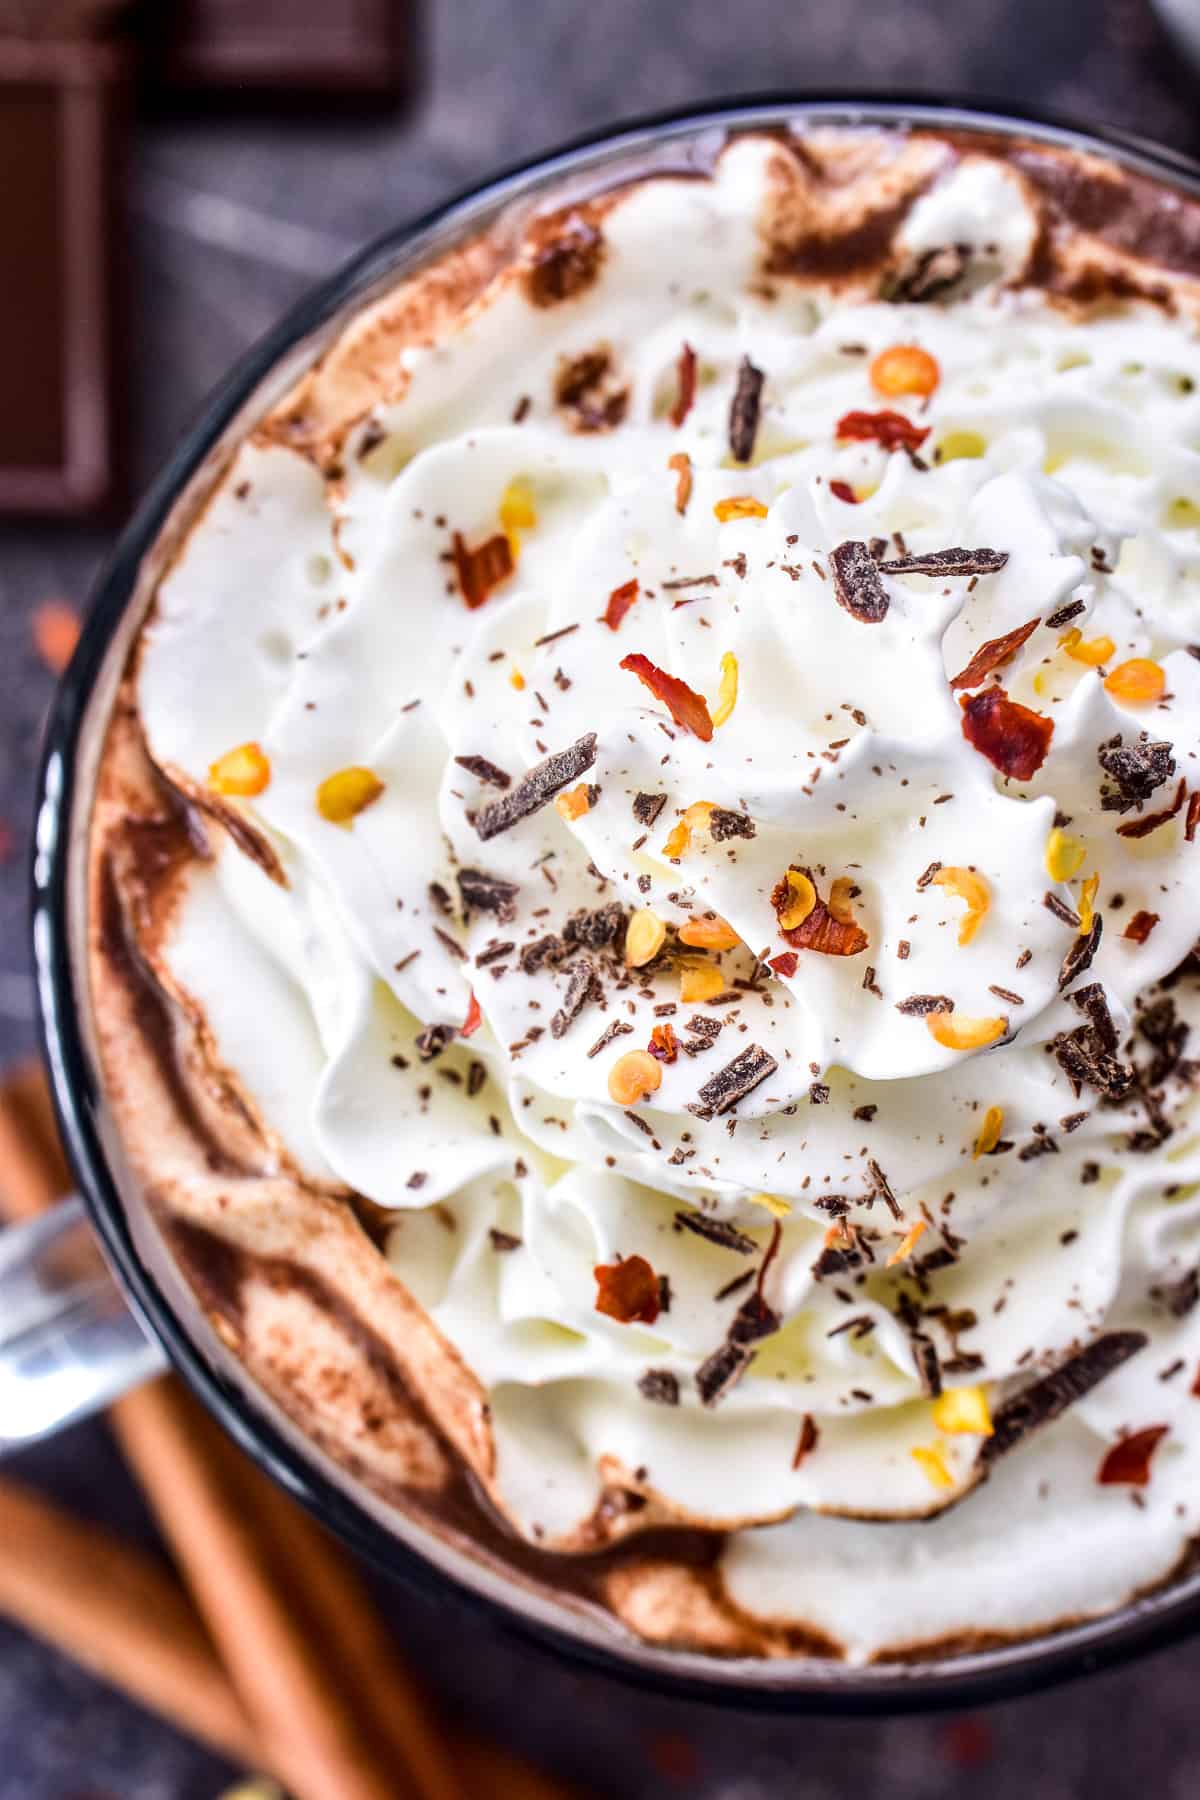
(906, 1216)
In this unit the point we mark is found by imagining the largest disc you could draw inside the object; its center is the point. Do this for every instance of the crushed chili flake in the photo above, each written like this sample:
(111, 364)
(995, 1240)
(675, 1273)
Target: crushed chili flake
(819, 930)
(628, 1291)
(482, 570)
(688, 708)
(1140, 828)
(1193, 817)
(786, 964)
(991, 655)
(890, 429)
(473, 1020)
(841, 490)
(56, 628)
(1140, 926)
(681, 465)
(663, 1043)
(807, 1441)
(619, 603)
(1127, 1463)
(1012, 737)
(686, 375)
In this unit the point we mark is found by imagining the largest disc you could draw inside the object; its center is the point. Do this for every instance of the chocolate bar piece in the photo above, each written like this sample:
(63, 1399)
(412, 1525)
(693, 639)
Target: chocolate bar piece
(279, 47)
(62, 115)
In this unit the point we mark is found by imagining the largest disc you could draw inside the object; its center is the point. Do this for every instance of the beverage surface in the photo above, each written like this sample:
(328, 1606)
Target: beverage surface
(644, 895)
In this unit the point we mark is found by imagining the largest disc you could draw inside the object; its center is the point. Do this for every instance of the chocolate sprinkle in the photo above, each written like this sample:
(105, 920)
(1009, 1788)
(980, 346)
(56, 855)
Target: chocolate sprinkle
(537, 788)
(717, 1231)
(729, 1085)
(488, 893)
(918, 1005)
(744, 411)
(928, 1363)
(856, 583)
(948, 562)
(1081, 954)
(483, 770)
(1046, 1399)
(582, 986)
(660, 1387)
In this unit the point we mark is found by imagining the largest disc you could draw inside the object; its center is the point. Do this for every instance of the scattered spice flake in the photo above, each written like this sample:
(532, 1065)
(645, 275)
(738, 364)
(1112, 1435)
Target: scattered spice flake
(908, 1243)
(1127, 1463)
(1140, 828)
(955, 561)
(485, 771)
(660, 1387)
(473, 1020)
(785, 965)
(663, 1043)
(1014, 739)
(1044, 1400)
(744, 411)
(619, 603)
(807, 1441)
(482, 570)
(536, 788)
(717, 1231)
(688, 708)
(685, 370)
(1140, 926)
(730, 1085)
(991, 655)
(856, 583)
(681, 465)
(890, 429)
(628, 1291)
(1136, 770)
(56, 628)
(1081, 955)
(841, 490)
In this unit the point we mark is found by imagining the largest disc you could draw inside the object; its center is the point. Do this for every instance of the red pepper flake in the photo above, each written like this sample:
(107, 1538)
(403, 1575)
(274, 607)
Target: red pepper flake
(474, 1018)
(628, 1291)
(482, 570)
(663, 1043)
(1195, 1388)
(821, 932)
(841, 490)
(1012, 737)
(1140, 927)
(891, 429)
(1127, 1464)
(619, 603)
(807, 1440)
(686, 370)
(785, 964)
(1193, 817)
(989, 656)
(688, 708)
(56, 628)
(681, 465)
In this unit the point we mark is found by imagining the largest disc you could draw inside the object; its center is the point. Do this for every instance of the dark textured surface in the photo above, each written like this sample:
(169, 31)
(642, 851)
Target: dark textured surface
(231, 216)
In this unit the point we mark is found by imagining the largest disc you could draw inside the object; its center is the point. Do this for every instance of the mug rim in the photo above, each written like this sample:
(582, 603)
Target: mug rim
(802, 1685)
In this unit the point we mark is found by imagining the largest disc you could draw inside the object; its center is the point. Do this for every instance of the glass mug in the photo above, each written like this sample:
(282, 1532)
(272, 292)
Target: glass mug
(72, 1337)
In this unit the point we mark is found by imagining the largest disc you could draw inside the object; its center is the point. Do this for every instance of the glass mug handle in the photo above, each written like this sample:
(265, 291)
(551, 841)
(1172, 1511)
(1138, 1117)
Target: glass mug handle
(68, 1342)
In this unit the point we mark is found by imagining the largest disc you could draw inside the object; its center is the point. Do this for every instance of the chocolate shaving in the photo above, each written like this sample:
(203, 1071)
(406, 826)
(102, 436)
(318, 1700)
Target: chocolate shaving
(1065, 614)
(503, 1241)
(923, 880)
(566, 265)
(1062, 912)
(483, 770)
(919, 1005)
(807, 1441)
(585, 388)
(598, 927)
(488, 893)
(730, 1085)
(1135, 771)
(1087, 1055)
(1045, 1400)
(955, 561)
(1140, 828)
(1179, 1297)
(753, 1320)
(930, 274)
(744, 411)
(838, 1259)
(687, 581)
(617, 1028)
(723, 824)
(928, 1364)
(536, 788)
(1081, 955)
(881, 1189)
(582, 987)
(856, 583)
(717, 1231)
(646, 807)
(721, 1372)
(543, 950)
(433, 1040)
(660, 1387)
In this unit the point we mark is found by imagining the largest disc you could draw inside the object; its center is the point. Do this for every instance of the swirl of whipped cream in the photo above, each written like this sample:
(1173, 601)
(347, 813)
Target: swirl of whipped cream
(927, 1186)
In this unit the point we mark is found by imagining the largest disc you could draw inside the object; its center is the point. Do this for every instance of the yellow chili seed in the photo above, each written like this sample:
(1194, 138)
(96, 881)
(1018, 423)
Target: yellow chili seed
(1092, 651)
(968, 885)
(678, 842)
(634, 1077)
(517, 513)
(709, 933)
(963, 1409)
(516, 680)
(954, 1031)
(244, 771)
(803, 899)
(574, 804)
(1064, 855)
(740, 506)
(699, 980)
(989, 1132)
(908, 1243)
(343, 796)
(728, 692)
(1087, 903)
(904, 369)
(931, 1460)
(645, 936)
(1138, 682)
(778, 1208)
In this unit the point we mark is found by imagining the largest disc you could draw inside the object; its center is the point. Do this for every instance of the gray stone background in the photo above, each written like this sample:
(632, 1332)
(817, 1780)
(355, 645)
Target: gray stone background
(230, 217)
